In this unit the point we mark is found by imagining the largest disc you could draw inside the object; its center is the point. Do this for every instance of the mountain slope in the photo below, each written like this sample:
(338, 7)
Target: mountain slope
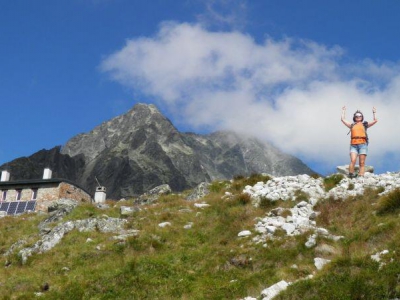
(220, 247)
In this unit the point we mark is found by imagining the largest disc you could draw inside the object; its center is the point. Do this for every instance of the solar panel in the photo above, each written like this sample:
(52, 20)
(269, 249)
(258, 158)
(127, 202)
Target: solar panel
(4, 206)
(17, 207)
(12, 208)
(21, 207)
(30, 206)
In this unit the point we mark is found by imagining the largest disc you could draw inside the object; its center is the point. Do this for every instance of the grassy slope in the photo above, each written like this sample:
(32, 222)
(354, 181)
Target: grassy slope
(208, 261)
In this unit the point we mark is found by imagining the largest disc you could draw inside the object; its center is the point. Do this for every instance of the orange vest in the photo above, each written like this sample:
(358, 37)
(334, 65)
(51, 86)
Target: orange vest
(358, 134)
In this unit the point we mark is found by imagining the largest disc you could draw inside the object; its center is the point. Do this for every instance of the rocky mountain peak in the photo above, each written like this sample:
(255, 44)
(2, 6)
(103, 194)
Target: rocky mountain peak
(110, 133)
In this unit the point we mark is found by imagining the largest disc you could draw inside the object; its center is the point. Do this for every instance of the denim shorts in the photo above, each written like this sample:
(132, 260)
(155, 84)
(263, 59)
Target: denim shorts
(359, 149)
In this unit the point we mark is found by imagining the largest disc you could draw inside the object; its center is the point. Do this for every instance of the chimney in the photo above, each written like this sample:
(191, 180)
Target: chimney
(5, 176)
(47, 173)
(100, 195)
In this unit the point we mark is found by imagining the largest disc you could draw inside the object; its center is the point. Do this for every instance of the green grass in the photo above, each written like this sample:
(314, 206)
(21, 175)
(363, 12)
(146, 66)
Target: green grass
(208, 261)
(389, 203)
(239, 182)
(352, 274)
(332, 181)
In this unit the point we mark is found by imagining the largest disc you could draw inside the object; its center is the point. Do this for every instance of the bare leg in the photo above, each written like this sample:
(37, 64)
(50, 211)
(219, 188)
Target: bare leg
(353, 159)
(362, 158)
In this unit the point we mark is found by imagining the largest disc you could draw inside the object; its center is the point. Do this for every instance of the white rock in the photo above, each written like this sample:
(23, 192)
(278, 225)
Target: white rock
(274, 290)
(302, 204)
(320, 262)
(289, 228)
(244, 233)
(301, 222)
(164, 224)
(128, 210)
(201, 205)
(271, 229)
(377, 257)
(311, 242)
(188, 226)
(261, 229)
(322, 231)
(275, 221)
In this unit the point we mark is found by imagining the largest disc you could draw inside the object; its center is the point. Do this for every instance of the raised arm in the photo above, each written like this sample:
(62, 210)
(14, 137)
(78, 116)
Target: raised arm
(347, 123)
(375, 119)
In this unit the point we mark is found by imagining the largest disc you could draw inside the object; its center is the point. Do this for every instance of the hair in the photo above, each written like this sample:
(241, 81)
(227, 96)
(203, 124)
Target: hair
(358, 112)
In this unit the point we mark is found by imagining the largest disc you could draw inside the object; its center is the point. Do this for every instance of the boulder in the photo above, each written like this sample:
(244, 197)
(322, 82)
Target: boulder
(320, 262)
(154, 194)
(67, 204)
(274, 290)
(57, 210)
(201, 205)
(199, 192)
(128, 210)
(164, 224)
(244, 233)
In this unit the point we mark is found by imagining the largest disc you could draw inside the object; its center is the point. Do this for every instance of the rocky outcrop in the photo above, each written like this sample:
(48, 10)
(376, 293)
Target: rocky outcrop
(137, 151)
(50, 239)
(199, 192)
(153, 194)
(57, 210)
(285, 188)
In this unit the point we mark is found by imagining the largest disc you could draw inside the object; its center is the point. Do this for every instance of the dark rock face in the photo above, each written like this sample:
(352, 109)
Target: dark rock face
(31, 167)
(141, 149)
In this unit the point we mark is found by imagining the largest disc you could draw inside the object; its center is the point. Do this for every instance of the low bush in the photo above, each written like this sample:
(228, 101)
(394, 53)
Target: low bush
(218, 186)
(243, 198)
(240, 182)
(266, 203)
(301, 196)
(332, 181)
(389, 203)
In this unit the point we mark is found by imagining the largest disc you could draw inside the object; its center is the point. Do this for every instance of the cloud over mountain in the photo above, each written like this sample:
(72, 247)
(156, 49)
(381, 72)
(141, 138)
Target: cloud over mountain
(288, 91)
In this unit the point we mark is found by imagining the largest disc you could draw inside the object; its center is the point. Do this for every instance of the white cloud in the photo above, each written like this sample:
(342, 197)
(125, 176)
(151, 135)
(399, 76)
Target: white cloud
(289, 91)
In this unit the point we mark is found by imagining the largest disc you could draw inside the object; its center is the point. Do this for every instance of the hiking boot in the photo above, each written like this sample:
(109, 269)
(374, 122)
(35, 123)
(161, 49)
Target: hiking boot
(352, 175)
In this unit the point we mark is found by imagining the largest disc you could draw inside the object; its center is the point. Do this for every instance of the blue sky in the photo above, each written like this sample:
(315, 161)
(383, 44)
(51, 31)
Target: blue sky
(280, 70)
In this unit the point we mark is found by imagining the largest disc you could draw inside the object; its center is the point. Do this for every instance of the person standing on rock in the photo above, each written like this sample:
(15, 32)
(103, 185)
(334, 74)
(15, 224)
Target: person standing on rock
(359, 139)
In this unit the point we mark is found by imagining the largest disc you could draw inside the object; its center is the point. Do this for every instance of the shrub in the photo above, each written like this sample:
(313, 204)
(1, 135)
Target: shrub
(380, 189)
(389, 203)
(217, 186)
(332, 181)
(240, 182)
(301, 196)
(243, 198)
(351, 186)
(267, 203)
(254, 178)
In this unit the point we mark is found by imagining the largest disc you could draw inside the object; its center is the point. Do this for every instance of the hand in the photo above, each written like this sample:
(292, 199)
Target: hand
(344, 108)
(373, 110)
